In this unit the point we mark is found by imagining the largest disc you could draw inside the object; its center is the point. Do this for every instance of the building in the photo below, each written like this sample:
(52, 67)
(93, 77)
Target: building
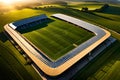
(83, 53)
(28, 22)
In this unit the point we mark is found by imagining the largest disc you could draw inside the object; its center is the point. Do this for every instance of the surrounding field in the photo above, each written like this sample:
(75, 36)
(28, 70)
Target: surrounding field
(91, 6)
(55, 39)
(92, 17)
(106, 65)
(12, 64)
(108, 16)
(103, 67)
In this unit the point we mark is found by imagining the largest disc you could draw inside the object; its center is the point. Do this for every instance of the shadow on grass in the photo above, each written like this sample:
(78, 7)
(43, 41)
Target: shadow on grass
(66, 10)
(3, 37)
(92, 13)
(108, 56)
(42, 25)
(112, 10)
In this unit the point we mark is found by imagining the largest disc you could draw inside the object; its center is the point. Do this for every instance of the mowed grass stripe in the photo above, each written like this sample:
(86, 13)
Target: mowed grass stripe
(109, 16)
(66, 48)
(61, 34)
(114, 73)
(41, 46)
(48, 43)
(82, 35)
(51, 44)
(46, 50)
(54, 36)
(66, 34)
(57, 38)
(52, 47)
(11, 67)
(74, 30)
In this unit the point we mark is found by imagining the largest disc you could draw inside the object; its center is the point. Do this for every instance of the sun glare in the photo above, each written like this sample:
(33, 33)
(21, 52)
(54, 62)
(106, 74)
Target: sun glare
(9, 1)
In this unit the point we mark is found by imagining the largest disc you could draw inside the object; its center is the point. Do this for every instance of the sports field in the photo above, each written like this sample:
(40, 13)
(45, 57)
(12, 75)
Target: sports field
(55, 37)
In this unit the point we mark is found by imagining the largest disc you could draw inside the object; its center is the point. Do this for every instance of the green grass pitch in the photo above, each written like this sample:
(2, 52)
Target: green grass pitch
(55, 37)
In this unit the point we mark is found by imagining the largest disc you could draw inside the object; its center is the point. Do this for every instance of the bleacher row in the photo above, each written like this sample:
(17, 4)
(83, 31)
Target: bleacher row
(29, 22)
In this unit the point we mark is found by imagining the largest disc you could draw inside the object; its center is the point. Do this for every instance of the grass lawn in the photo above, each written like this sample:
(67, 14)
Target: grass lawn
(114, 72)
(104, 66)
(12, 64)
(91, 6)
(108, 16)
(57, 37)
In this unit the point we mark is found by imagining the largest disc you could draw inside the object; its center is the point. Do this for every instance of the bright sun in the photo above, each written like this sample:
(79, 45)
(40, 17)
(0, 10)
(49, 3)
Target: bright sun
(9, 1)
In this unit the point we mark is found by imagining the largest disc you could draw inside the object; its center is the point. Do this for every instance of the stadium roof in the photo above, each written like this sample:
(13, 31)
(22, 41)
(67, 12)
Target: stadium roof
(28, 20)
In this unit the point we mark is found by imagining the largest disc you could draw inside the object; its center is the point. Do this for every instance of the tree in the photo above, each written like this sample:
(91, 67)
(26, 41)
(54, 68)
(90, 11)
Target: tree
(105, 6)
(85, 9)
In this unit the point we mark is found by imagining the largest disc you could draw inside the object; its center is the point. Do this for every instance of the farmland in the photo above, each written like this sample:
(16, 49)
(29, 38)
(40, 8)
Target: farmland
(103, 67)
(13, 65)
(91, 6)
